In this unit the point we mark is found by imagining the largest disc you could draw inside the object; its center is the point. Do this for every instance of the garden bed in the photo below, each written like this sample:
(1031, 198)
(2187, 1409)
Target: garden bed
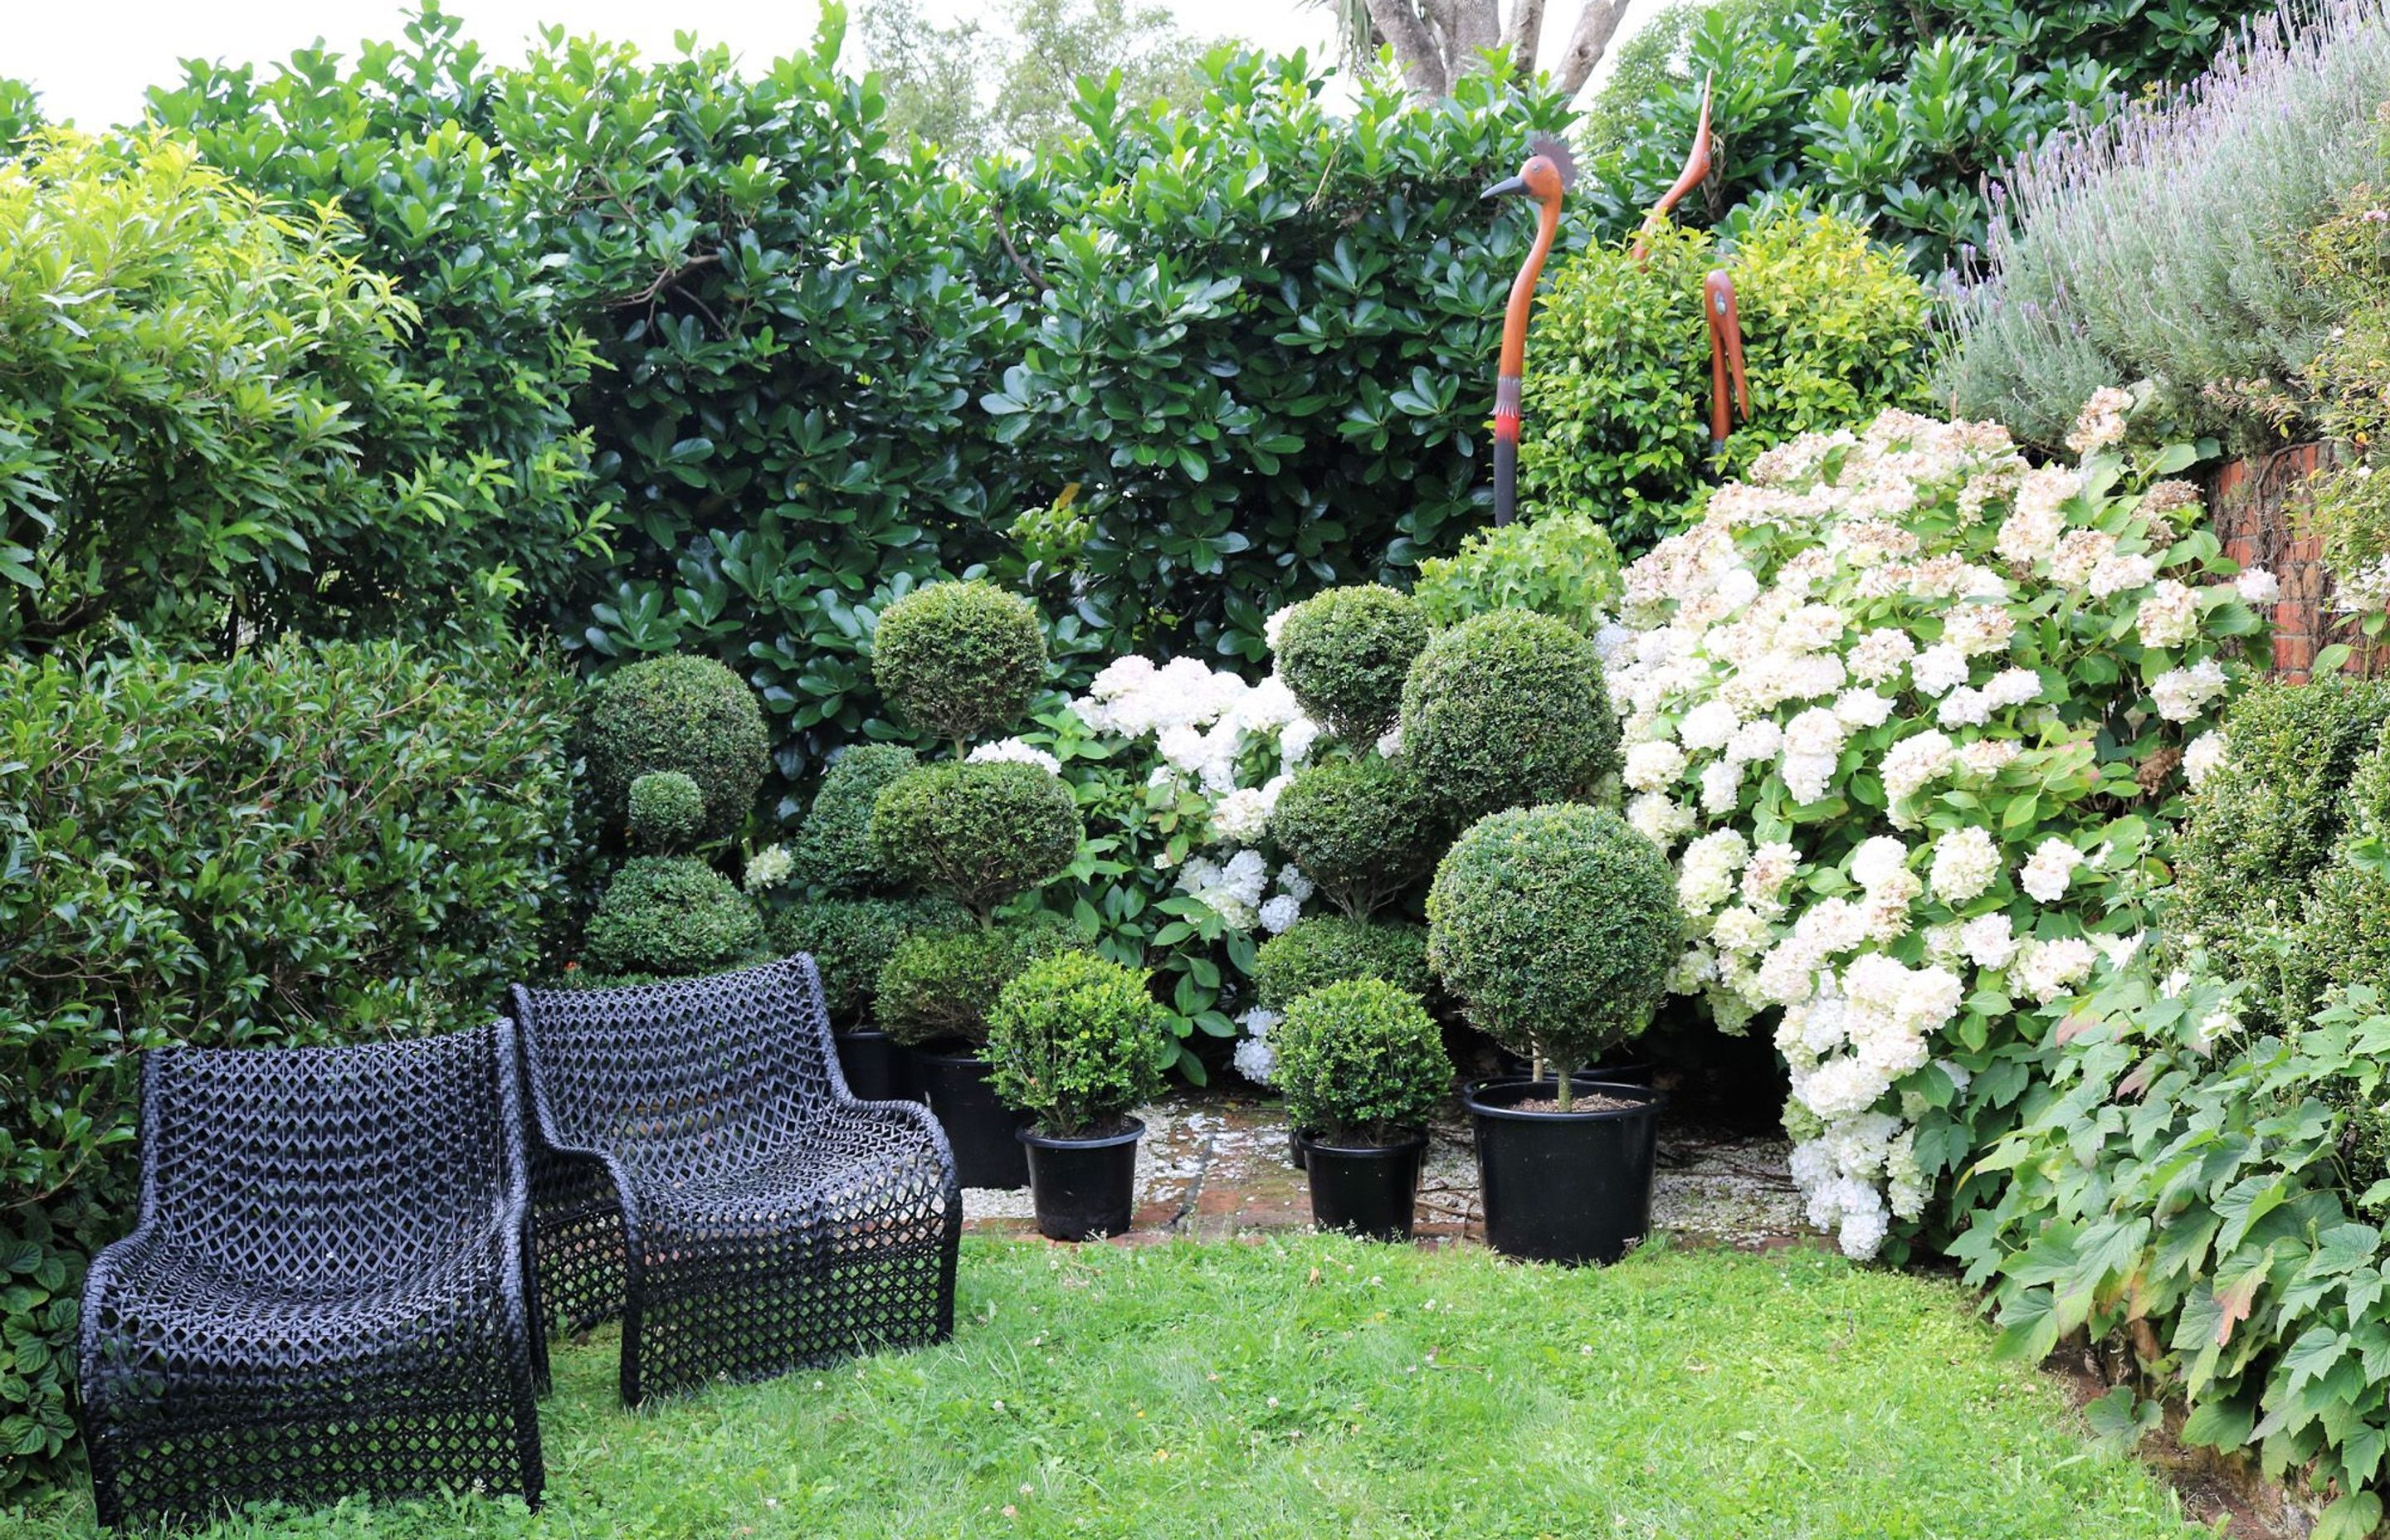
(1323, 1387)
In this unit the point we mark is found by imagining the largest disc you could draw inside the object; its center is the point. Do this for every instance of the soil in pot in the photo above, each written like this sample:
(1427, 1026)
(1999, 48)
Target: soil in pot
(978, 1128)
(874, 1065)
(1082, 1188)
(1571, 1187)
(1372, 1190)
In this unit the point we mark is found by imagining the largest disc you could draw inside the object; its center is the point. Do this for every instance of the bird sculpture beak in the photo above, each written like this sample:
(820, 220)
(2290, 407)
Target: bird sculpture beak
(1505, 189)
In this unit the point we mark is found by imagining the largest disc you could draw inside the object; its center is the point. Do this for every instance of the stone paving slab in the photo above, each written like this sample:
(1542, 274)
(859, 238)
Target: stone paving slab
(1213, 1165)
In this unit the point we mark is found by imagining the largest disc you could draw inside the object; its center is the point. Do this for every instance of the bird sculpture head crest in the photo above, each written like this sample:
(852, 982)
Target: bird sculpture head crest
(1550, 171)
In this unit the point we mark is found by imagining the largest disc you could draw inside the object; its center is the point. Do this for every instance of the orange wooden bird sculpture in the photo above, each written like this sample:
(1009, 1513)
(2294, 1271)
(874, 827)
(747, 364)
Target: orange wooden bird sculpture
(1717, 293)
(1546, 178)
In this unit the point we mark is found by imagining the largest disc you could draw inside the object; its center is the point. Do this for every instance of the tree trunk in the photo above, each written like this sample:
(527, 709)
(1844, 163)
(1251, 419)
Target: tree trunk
(1526, 33)
(1405, 30)
(1595, 26)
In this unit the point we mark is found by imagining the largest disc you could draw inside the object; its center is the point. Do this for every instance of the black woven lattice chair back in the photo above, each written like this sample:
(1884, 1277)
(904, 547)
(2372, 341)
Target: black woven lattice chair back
(698, 1166)
(326, 1292)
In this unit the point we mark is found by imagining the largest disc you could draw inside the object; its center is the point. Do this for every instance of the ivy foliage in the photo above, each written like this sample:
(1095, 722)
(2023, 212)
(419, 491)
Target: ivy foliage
(311, 843)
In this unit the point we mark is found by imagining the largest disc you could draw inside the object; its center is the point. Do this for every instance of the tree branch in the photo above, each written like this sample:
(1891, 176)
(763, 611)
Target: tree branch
(1004, 234)
(1405, 30)
(1595, 26)
(1524, 37)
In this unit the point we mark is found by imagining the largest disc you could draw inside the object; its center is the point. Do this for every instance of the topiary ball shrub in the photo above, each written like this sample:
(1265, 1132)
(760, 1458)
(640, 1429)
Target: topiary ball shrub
(1508, 710)
(1361, 1061)
(851, 939)
(959, 658)
(1344, 654)
(682, 713)
(981, 833)
(671, 915)
(1076, 1041)
(939, 986)
(1363, 830)
(832, 852)
(1556, 927)
(667, 812)
(1327, 949)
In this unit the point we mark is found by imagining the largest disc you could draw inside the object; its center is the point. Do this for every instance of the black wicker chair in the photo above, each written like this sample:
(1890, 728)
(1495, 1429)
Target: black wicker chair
(326, 1292)
(698, 1165)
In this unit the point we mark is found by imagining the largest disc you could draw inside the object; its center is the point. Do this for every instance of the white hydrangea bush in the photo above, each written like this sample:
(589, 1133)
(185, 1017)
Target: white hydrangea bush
(1177, 767)
(1904, 710)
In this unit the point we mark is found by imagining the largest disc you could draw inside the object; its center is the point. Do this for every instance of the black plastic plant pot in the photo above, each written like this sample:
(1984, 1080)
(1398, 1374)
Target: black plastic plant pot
(874, 1065)
(978, 1128)
(1295, 1147)
(1369, 1190)
(1082, 1188)
(1571, 1187)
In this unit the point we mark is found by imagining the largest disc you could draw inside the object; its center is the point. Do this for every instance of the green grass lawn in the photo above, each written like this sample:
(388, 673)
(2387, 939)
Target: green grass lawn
(1323, 1387)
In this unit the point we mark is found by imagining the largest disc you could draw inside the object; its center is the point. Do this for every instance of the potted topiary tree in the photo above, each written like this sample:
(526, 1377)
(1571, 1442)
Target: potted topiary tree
(1327, 949)
(960, 660)
(1555, 927)
(1075, 1041)
(1363, 1067)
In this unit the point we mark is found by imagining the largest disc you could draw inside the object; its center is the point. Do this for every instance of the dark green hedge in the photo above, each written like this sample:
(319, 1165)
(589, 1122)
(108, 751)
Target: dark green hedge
(311, 843)
(1244, 354)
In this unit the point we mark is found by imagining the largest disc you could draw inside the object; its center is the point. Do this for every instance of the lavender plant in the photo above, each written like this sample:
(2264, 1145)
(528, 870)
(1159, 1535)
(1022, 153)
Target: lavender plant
(2167, 242)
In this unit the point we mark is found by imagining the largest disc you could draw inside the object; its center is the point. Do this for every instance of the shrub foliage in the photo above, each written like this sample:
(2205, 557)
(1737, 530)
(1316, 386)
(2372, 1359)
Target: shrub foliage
(1364, 831)
(669, 917)
(1361, 1061)
(982, 833)
(1508, 709)
(851, 939)
(938, 986)
(1344, 653)
(684, 715)
(1076, 1041)
(959, 660)
(311, 843)
(833, 850)
(1327, 949)
(1556, 927)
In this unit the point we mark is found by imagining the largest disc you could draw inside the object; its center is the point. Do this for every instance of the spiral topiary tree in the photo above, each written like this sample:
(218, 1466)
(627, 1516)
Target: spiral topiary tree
(959, 660)
(679, 713)
(1344, 654)
(1505, 711)
(1556, 927)
(980, 833)
(1363, 830)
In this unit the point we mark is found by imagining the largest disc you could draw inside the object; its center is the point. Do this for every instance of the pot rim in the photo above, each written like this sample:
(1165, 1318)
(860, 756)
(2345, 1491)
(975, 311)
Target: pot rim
(1647, 1101)
(1310, 1141)
(1029, 1135)
(860, 1032)
(970, 1054)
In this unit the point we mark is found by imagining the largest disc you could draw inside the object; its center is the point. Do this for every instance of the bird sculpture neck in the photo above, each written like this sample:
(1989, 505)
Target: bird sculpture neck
(1513, 365)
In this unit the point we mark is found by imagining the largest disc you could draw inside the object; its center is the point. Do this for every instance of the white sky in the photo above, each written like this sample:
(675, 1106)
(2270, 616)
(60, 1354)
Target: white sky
(92, 60)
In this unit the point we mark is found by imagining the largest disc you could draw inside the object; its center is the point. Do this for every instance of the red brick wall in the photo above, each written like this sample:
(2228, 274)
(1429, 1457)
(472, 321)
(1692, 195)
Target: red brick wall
(2256, 508)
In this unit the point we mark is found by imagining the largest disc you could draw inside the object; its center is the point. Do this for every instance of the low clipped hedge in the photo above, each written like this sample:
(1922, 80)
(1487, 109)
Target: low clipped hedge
(311, 843)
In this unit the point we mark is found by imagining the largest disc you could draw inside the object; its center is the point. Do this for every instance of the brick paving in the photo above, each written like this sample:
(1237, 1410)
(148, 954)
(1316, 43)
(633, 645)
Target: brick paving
(1213, 1165)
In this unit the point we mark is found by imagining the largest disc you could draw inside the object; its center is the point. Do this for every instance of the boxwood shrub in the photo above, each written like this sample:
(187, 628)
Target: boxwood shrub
(1345, 652)
(1363, 830)
(832, 851)
(959, 660)
(1506, 710)
(939, 986)
(1361, 1061)
(982, 833)
(851, 939)
(677, 712)
(1076, 1041)
(310, 843)
(669, 916)
(1327, 949)
(1556, 927)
